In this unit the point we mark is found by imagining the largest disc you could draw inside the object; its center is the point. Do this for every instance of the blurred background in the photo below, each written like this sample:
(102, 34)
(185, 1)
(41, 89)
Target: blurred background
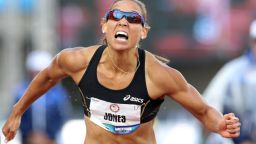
(198, 36)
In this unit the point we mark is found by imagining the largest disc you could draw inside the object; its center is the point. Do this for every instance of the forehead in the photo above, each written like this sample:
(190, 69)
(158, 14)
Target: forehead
(127, 5)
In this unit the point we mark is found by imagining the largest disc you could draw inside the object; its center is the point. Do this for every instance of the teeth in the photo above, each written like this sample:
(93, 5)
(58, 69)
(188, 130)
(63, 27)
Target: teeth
(121, 33)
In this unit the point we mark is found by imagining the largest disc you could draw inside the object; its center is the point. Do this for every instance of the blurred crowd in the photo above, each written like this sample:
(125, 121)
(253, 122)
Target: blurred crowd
(196, 35)
(199, 30)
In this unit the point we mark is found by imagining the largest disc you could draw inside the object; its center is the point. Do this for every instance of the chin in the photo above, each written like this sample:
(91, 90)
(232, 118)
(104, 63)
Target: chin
(120, 47)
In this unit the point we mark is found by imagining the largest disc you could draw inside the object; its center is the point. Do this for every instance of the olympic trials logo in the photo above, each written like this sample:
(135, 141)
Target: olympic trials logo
(114, 108)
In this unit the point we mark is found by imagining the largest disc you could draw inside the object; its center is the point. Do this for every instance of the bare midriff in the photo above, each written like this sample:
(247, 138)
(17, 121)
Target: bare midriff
(97, 135)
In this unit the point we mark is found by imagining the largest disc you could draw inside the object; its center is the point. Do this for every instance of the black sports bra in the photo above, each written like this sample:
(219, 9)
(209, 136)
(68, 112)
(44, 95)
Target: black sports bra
(118, 111)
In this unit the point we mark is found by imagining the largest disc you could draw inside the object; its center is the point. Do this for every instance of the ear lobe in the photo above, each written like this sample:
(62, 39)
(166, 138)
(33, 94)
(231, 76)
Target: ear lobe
(144, 33)
(143, 36)
(103, 29)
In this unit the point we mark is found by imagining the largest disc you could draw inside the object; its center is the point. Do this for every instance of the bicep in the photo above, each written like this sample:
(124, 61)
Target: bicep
(185, 94)
(56, 71)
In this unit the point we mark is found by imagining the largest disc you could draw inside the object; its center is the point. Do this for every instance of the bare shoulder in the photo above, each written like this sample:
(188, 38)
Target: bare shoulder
(163, 78)
(75, 59)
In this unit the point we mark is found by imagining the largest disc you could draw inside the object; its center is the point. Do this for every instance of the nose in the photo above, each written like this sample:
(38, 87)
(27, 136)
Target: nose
(123, 22)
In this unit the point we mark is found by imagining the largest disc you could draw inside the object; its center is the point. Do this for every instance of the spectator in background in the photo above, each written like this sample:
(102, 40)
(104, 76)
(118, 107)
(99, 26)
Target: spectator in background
(44, 119)
(234, 89)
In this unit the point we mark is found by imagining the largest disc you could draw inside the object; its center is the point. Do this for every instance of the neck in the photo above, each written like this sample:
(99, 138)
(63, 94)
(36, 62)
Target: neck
(123, 61)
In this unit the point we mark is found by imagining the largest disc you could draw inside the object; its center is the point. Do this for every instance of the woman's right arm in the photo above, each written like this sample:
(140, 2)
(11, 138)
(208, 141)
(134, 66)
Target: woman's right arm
(44, 80)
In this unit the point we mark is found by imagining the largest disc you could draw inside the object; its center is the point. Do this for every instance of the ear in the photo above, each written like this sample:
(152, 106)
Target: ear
(144, 32)
(103, 26)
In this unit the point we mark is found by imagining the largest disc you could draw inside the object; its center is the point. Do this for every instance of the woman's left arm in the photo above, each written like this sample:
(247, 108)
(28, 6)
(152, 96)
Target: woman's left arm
(176, 87)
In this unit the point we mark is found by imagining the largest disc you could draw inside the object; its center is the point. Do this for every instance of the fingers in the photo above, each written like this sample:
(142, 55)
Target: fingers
(232, 125)
(233, 135)
(10, 136)
(8, 133)
(5, 131)
(11, 126)
(231, 118)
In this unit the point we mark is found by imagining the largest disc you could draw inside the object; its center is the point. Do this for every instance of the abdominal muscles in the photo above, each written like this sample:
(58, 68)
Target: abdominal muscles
(97, 135)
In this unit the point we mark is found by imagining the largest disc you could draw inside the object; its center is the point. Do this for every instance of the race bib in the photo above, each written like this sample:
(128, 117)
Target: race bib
(114, 117)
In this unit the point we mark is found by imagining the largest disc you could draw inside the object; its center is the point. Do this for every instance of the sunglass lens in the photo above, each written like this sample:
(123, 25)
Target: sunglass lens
(134, 18)
(117, 14)
(111, 16)
(131, 17)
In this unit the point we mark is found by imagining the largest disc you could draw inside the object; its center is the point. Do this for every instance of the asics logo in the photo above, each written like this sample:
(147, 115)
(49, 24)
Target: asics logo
(127, 97)
(133, 99)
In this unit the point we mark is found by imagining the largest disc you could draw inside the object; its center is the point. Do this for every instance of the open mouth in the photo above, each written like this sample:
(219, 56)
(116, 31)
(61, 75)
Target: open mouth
(120, 35)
